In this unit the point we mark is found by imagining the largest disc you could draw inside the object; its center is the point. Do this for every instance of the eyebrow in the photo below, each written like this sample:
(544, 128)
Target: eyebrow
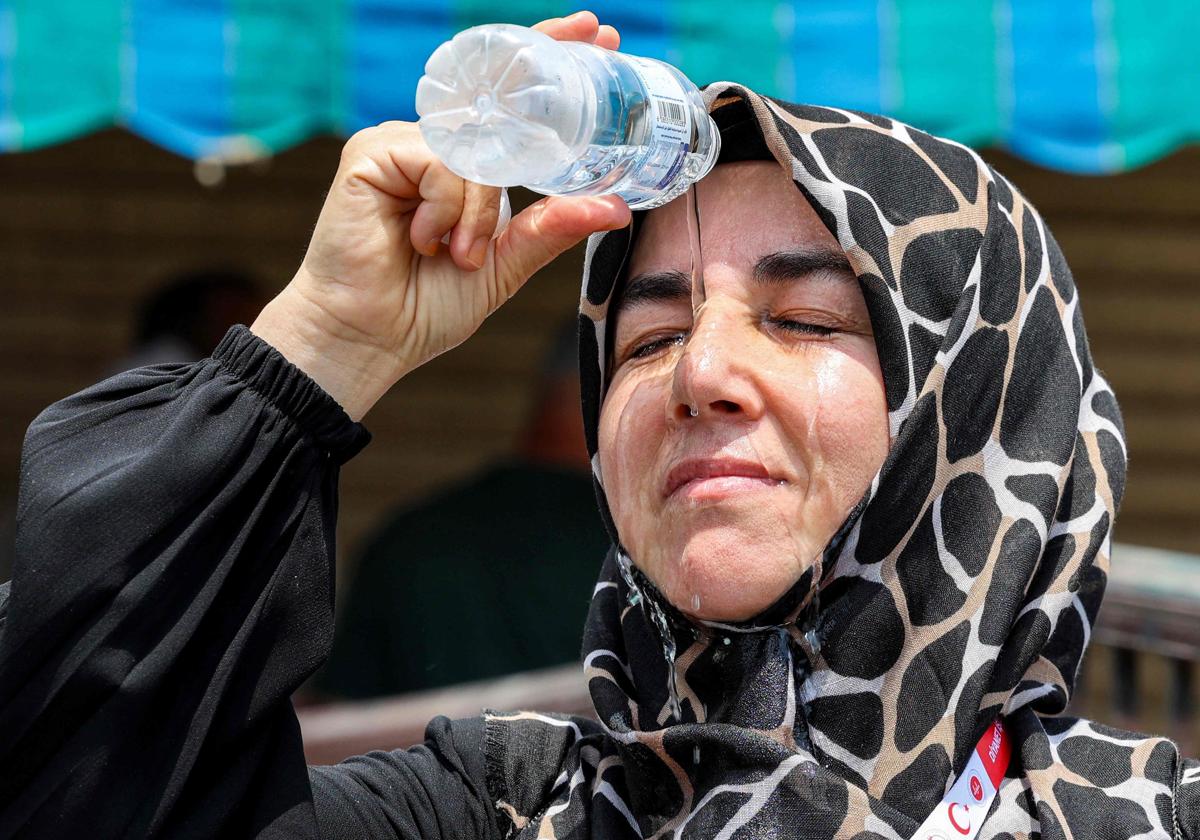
(783, 266)
(775, 268)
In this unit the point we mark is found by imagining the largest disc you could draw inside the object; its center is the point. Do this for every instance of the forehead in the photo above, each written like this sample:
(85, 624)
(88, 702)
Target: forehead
(747, 209)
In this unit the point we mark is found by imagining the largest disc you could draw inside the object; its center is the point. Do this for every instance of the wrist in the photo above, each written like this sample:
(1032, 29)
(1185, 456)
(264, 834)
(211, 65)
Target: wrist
(348, 368)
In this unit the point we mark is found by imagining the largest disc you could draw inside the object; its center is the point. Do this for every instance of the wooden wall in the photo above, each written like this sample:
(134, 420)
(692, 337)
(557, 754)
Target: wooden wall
(1132, 242)
(88, 228)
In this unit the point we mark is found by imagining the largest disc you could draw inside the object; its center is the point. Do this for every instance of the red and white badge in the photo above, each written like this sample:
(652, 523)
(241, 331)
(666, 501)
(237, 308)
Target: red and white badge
(960, 814)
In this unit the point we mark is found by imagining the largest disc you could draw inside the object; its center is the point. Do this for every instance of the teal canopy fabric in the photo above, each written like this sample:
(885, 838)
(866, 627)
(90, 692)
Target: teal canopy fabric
(1088, 86)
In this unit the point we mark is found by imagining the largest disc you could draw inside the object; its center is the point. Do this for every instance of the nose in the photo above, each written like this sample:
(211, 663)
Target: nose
(714, 376)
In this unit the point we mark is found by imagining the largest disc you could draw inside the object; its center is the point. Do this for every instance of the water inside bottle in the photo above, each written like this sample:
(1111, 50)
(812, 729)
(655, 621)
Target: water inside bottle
(625, 168)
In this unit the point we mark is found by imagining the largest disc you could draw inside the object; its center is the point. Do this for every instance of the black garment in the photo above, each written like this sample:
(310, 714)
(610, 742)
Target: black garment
(173, 586)
(486, 556)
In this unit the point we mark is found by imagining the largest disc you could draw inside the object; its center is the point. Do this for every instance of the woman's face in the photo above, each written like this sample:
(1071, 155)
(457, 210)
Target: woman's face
(735, 438)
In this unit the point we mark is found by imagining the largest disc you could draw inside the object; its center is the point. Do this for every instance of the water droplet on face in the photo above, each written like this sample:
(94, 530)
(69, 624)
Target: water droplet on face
(693, 411)
(696, 603)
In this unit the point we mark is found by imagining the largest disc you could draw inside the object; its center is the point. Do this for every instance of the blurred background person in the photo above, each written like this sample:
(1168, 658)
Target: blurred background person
(455, 588)
(183, 320)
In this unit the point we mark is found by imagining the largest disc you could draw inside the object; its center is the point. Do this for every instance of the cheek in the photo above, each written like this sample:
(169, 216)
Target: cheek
(857, 426)
(607, 443)
(632, 425)
(839, 422)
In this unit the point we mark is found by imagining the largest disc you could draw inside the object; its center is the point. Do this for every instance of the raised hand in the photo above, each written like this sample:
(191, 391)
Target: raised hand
(377, 295)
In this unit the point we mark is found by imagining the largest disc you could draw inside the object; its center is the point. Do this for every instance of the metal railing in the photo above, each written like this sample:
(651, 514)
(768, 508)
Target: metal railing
(336, 731)
(1151, 609)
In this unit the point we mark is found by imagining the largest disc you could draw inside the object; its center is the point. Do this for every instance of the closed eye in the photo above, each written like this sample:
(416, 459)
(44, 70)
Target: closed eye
(803, 327)
(651, 347)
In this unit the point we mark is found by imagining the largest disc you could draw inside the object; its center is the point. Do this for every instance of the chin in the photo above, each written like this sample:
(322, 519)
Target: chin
(724, 574)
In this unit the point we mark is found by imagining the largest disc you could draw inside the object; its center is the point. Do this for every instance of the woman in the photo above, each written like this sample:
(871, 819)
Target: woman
(861, 481)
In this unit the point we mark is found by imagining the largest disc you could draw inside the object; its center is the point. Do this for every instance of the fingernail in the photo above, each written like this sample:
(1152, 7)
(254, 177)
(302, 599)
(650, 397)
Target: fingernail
(478, 252)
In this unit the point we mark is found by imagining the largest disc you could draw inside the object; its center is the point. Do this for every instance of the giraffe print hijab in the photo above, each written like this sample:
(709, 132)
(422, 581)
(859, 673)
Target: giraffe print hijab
(963, 587)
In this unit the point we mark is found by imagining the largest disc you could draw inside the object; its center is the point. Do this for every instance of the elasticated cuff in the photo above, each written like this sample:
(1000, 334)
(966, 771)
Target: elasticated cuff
(264, 370)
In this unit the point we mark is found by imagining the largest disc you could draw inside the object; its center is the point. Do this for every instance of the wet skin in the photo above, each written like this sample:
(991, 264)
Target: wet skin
(734, 439)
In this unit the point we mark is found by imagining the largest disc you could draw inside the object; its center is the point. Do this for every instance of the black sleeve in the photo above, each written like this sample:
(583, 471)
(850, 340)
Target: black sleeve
(173, 585)
(434, 790)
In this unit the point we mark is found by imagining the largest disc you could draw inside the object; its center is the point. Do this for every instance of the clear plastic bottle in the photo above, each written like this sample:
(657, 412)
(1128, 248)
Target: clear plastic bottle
(506, 105)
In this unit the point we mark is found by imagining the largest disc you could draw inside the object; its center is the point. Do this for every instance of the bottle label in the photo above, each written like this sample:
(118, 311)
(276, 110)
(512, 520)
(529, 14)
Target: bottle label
(670, 136)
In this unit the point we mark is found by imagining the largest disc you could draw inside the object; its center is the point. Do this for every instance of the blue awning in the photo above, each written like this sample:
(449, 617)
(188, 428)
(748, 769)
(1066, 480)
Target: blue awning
(1088, 86)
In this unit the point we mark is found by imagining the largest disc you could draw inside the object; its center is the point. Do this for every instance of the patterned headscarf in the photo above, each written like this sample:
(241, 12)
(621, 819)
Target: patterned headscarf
(963, 587)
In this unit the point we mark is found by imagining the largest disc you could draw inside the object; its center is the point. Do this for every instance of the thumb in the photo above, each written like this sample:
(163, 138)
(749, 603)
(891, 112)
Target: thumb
(548, 227)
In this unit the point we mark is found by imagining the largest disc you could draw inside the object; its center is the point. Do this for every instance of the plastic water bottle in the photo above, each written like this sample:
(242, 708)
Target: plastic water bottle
(506, 105)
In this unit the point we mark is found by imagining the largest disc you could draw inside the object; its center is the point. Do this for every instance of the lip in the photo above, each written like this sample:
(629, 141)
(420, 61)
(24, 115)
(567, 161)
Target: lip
(716, 477)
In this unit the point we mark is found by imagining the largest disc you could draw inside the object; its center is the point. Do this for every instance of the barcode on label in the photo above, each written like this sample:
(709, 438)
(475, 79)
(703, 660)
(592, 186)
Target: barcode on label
(671, 112)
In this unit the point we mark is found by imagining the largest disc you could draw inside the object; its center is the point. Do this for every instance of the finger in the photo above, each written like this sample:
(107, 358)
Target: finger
(581, 26)
(441, 207)
(549, 25)
(392, 157)
(547, 228)
(608, 37)
(481, 211)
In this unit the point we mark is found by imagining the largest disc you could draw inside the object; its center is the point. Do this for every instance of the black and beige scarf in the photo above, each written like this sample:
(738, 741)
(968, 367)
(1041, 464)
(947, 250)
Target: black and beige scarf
(963, 587)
